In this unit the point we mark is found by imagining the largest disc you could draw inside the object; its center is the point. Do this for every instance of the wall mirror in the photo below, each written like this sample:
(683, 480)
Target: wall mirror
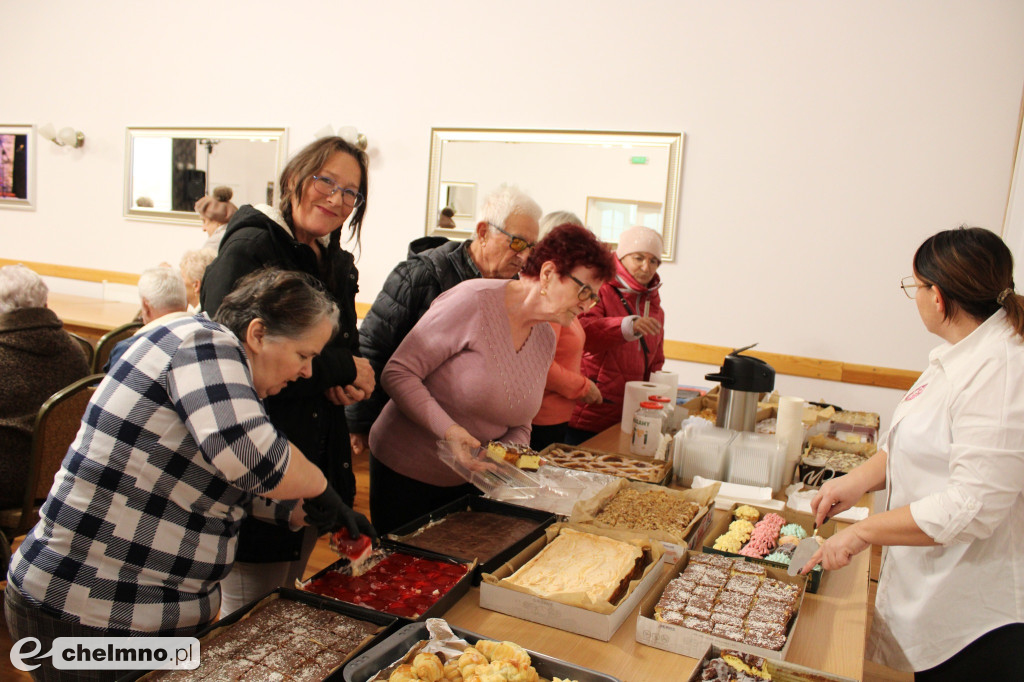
(611, 180)
(168, 169)
(17, 167)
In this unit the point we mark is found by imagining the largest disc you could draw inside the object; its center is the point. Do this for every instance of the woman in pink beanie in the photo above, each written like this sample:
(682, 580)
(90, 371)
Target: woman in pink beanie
(625, 340)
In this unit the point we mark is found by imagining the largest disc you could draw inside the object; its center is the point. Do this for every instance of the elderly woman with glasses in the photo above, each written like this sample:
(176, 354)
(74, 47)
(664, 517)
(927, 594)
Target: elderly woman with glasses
(952, 466)
(322, 188)
(473, 369)
(625, 339)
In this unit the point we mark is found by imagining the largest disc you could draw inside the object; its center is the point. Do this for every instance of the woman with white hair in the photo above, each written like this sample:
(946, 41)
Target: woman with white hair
(37, 359)
(193, 266)
(625, 340)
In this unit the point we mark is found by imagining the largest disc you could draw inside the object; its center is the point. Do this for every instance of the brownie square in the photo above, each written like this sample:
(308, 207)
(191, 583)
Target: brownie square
(744, 584)
(748, 568)
(728, 631)
(699, 624)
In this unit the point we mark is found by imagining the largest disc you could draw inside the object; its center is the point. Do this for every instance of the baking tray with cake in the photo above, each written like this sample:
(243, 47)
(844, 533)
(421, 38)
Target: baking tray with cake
(401, 647)
(578, 578)
(280, 634)
(728, 538)
(725, 662)
(407, 582)
(475, 527)
(633, 467)
(712, 599)
(678, 518)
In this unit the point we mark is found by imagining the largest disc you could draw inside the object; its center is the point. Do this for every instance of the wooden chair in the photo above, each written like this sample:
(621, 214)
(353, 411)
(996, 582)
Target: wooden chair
(86, 345)
(55, 429)
(108, 340)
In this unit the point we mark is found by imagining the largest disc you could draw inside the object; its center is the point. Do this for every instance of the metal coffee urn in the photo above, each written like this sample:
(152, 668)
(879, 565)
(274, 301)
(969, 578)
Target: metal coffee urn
(743, 379)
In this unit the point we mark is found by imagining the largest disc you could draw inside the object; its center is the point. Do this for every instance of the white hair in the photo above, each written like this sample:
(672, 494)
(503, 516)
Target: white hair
(21, 288)
(194, 263)
(163, 289)
(556, 218)
(505, 201)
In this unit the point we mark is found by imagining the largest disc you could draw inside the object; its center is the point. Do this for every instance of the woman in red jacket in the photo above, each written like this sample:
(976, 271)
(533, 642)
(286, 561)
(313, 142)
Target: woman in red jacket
(625, 340)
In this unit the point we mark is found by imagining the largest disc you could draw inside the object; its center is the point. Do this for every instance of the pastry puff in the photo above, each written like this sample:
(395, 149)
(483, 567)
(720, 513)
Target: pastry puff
(509, 671)
(503, 651)
(403, 673)
(452, 672)
(428, 667)
(470, 660)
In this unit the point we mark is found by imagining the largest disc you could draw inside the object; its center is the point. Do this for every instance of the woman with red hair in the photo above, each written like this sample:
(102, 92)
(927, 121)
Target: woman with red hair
(473, 369)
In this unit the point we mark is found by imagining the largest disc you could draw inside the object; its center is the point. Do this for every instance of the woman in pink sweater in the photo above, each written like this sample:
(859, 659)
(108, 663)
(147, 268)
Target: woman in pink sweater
(473, 369)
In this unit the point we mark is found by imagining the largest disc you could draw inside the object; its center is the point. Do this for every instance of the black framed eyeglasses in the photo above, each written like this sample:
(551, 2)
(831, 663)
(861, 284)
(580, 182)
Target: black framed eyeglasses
(328, 187)
(517, 244)
(908, 283)
(586, 293)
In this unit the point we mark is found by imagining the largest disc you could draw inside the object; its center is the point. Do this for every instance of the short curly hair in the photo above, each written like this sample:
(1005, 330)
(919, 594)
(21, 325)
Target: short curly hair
(568, 247)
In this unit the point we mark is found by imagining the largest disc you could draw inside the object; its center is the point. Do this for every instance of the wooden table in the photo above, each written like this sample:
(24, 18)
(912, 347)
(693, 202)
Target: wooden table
(829, 635)
(90, 317)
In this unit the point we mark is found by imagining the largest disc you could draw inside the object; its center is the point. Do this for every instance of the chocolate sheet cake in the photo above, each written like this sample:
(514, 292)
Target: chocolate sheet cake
(471, 534)
(284, 640)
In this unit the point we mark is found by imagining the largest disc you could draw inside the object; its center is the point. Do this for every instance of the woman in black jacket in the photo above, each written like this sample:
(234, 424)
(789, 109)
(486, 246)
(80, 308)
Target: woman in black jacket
(322, 187)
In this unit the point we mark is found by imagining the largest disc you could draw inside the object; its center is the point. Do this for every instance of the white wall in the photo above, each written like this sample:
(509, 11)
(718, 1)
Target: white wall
(824, 139)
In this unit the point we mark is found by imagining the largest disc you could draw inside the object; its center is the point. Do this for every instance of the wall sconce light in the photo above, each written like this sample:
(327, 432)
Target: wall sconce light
(65, 137)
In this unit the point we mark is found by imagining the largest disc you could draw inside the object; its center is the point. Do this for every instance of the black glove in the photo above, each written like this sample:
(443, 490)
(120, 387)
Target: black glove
(327, 513)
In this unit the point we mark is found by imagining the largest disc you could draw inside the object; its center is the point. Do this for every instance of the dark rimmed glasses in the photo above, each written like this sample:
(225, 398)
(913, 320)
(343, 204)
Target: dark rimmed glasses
(517, 244)
(586, 293)
(908, 283)
(328, 187)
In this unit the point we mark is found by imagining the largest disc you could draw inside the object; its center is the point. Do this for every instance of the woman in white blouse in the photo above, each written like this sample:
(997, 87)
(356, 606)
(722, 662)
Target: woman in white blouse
(950, 602)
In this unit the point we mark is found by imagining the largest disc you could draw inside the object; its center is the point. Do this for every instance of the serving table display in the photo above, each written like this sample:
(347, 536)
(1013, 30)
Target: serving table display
(829, 636)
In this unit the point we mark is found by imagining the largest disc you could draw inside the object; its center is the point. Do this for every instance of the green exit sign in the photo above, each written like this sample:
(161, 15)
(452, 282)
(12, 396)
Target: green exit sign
(638, 159)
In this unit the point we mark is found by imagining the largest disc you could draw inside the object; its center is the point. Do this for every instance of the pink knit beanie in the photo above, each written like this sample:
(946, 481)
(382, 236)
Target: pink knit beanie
(639, 238)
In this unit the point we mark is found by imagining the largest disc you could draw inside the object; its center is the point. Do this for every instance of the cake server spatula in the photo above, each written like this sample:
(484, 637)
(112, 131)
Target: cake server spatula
(804, 551)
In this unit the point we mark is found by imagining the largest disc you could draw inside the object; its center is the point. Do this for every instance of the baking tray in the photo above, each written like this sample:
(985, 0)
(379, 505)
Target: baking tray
(666, 469)
(780, 671)
(440, 606)
(388, 625)
(480, 504)
(394, 647)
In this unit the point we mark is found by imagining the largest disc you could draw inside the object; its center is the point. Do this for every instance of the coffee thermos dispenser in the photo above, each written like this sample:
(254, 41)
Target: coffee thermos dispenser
(743, 378)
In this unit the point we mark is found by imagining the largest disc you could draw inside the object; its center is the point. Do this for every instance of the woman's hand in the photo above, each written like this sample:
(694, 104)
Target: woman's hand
(360, 443)
(464, 447)
(835, 496)
(365, 380)
(837, 550)
(645, 326)
(593, 394)
(344, 395)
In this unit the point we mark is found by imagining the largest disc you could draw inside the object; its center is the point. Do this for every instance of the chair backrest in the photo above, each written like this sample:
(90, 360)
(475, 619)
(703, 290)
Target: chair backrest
(86, 345)
(56, 427)
(108, 340)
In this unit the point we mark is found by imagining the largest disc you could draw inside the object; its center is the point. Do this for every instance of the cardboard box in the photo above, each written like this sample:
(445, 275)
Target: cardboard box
(498, 596)
(675, 544)
(692, 643)
(663, 477)
(806, 521)
(710, 402)
(780, 671)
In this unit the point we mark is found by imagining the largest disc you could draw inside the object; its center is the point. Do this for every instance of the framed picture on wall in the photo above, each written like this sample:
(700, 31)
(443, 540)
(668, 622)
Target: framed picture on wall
(17, 167)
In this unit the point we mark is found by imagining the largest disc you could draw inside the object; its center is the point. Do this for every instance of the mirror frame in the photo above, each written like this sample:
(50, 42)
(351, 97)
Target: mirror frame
(29, 202)
(191, 217)
(673, 141)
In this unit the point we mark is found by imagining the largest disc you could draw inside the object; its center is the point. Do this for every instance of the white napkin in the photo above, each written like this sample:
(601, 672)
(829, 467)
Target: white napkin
(801, 502)
(731, 493)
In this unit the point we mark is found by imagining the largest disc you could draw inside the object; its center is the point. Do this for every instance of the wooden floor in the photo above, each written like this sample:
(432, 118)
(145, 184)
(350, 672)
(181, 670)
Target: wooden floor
(323, 556)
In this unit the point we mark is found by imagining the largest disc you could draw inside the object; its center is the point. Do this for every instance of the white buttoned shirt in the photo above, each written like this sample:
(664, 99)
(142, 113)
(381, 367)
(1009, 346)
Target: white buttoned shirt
(956, 457)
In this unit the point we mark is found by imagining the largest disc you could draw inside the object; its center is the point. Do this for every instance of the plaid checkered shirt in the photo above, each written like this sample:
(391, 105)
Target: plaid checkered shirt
(140, 524)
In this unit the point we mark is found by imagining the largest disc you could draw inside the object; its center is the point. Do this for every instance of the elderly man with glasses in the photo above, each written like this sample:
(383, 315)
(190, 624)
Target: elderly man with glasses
(507, 230)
